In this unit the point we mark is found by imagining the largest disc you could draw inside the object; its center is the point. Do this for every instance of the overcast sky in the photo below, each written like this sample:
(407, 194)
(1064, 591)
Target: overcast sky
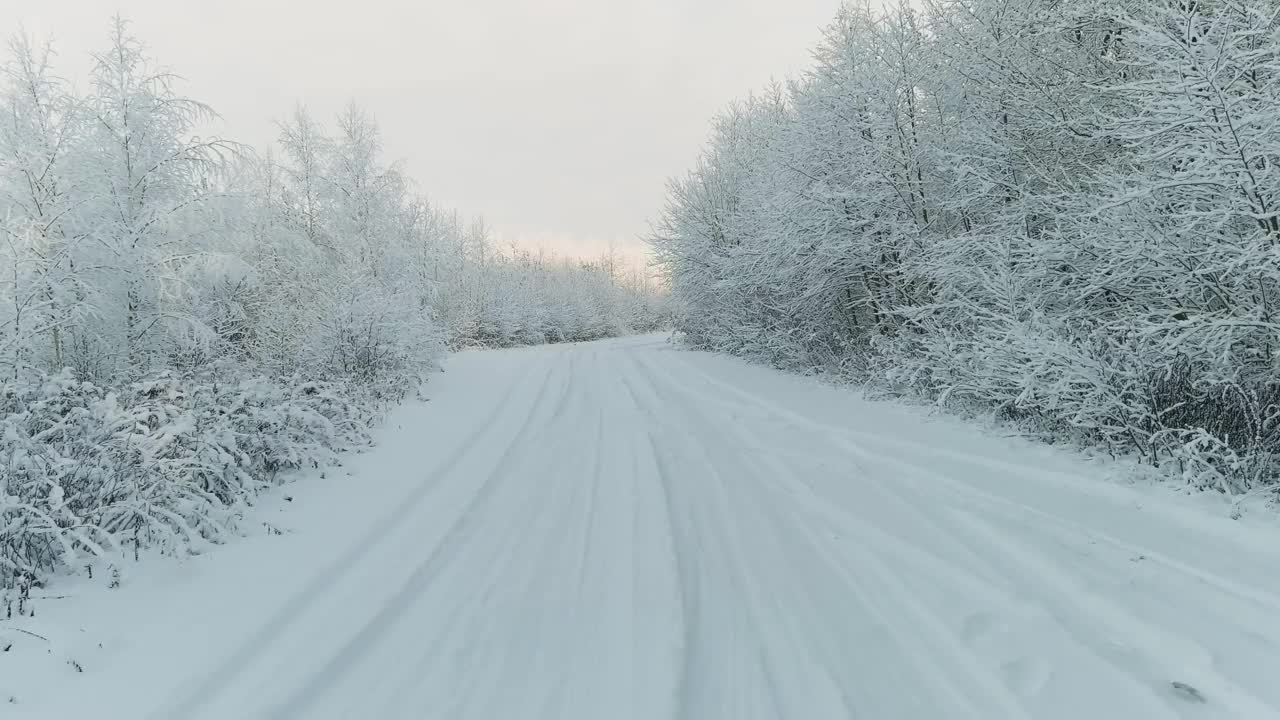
(558, 120)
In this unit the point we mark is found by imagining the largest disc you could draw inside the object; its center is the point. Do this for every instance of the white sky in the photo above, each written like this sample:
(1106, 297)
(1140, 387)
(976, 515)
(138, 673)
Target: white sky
(558, 120)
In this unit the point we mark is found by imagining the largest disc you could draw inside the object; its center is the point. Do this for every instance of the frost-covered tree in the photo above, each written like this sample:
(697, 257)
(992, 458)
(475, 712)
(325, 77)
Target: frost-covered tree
(183, 319)
(41, 123)
(1064, 211)
(149, 197)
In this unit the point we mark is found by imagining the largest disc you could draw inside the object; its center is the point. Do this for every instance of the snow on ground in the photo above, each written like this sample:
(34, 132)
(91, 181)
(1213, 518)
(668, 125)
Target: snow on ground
(625, 530)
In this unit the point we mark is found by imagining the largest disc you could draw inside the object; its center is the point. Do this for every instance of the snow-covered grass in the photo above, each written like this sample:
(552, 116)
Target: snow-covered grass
(91, 475)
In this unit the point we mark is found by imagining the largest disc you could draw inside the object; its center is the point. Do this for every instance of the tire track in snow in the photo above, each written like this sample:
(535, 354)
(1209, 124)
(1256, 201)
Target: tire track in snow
(800, 569)
(454, 615)
(1169, 657)
(477, 582)
(505, 560)
(685, 605)
(1105, 616)
(307, 694)
(920, 639)
(724, 510)
(289, 612)
(928, 486)
(1016, 671)
(784, 656)
(578, 509)
(852, 441)
(690, 552)
(684, 570)
(926, 492)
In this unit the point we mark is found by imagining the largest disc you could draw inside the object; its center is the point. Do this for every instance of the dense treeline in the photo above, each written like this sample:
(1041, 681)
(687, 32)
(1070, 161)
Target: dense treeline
(181, 318)
(1065, 211)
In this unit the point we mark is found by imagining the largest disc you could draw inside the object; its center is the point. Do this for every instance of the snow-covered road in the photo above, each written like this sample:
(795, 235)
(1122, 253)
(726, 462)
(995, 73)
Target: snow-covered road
(626, 530)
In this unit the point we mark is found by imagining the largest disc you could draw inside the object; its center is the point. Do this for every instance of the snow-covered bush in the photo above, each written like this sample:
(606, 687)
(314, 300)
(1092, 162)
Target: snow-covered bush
(169, 462)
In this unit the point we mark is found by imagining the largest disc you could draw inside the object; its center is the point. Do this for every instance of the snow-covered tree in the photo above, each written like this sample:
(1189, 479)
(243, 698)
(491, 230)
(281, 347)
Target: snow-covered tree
(149, 187)
(41, 123)
(182, 319)
(1064, 211)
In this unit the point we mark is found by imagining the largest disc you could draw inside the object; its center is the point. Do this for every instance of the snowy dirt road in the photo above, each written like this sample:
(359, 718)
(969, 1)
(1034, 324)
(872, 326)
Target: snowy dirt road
(626, 530)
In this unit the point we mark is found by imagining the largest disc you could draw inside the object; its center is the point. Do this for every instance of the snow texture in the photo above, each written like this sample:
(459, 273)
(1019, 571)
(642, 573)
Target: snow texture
(623, 529)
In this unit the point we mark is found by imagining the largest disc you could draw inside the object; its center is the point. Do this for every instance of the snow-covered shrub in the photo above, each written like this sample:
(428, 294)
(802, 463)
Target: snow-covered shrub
(168, 462)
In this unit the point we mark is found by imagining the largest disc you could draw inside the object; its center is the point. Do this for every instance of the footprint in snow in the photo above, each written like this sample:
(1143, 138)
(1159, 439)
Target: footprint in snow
(1187, 692)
